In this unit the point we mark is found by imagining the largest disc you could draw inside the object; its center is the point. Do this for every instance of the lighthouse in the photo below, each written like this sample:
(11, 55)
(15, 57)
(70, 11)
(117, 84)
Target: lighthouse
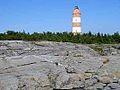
(76, 21)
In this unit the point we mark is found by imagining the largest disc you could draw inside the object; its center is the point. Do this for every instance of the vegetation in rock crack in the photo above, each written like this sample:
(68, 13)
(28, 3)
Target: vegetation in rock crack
(42, 45)
(96, 48)
(117, 74)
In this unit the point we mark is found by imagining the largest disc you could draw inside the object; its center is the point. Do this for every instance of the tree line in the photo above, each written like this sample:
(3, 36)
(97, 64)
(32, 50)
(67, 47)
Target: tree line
(85, 38)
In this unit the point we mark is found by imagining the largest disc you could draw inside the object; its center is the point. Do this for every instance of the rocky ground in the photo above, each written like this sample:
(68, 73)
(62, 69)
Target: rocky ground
(56, 65)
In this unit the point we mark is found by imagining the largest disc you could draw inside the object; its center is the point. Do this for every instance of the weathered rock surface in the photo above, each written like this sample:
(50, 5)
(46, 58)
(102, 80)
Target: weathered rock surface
(56, 65)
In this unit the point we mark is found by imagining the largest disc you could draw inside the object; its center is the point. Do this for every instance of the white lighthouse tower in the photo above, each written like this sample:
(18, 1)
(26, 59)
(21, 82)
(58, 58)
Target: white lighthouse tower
(76, 21)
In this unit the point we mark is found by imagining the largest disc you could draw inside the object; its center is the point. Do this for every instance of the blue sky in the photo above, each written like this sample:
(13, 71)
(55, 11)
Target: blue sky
(56, 15)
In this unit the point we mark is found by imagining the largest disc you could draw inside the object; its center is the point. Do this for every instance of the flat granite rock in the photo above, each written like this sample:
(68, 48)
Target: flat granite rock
(56, 65)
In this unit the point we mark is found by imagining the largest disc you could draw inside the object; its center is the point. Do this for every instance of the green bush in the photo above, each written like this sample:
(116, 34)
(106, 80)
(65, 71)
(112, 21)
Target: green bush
(85, 38)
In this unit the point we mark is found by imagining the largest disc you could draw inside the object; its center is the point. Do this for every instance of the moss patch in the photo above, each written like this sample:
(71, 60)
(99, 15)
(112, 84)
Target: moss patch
(42, 45)
(116, 74)
(97, 49)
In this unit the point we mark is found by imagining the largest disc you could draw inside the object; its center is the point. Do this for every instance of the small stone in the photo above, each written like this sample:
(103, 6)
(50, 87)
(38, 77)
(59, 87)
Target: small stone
(27, 49)
(82, 86)
(66, 87)
(105, 79)
(115, 80)
(70, 69)
(88, 75)
(90, 88)
(90, 82)
(95, 77)
(107, 88)
(99, 86)
(77, 77)
(114, 85)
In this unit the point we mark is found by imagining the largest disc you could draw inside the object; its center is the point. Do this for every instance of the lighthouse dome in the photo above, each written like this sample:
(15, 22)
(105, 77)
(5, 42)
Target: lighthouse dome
(76, 10)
